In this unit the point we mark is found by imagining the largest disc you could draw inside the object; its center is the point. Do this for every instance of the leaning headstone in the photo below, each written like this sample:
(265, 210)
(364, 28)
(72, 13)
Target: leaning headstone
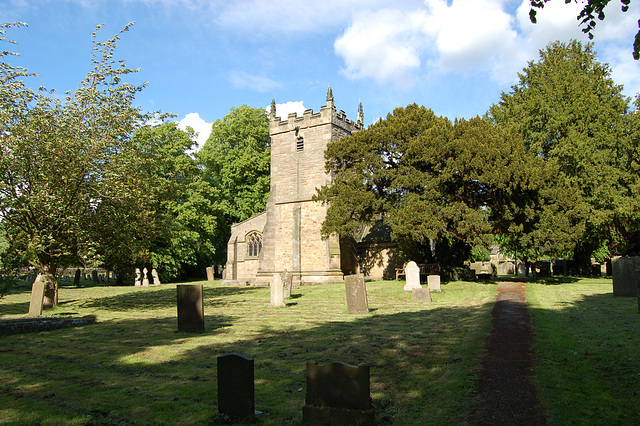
(37, 297)
(287, 281)
(236, 393)
(338, 393)
(145, 278)
(421, 295)
(210, 276)
(624, 282)
(433, 282)
(76, 278)
(138, 281)
(190, 308)
(357, 302)
(156, 278)
(277, 292)
(413, 276)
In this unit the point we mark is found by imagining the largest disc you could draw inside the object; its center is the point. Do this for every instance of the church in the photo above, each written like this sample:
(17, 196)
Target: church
(286, 237)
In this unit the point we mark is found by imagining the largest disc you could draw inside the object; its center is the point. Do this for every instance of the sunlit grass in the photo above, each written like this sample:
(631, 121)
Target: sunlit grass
(133, 366)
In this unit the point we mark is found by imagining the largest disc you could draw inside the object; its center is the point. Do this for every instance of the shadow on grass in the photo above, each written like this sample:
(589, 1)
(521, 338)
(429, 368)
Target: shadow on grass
(144, 371)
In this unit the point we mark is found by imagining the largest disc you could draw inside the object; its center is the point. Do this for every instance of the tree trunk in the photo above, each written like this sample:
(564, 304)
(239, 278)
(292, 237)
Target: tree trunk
(48, 270)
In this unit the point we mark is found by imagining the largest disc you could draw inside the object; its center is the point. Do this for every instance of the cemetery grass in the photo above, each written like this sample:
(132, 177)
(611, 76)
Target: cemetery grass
(586, 341)
(133, 367)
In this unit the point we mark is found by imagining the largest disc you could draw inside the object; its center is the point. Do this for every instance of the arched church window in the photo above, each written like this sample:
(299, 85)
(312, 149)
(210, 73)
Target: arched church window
(254, 244)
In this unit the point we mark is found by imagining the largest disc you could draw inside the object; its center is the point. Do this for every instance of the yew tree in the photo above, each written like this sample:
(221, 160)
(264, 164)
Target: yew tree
(60, 159)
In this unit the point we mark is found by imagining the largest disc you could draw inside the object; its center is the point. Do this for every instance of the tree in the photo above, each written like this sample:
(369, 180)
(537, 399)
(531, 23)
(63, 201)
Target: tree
(235, 161)
(61, 160)
(572, 115)
(587, 17)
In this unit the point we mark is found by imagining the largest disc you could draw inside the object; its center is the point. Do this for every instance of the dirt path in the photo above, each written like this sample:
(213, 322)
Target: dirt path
(506, 395)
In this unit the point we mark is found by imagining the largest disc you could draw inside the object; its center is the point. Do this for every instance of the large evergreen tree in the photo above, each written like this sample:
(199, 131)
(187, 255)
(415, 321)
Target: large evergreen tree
(571, 114)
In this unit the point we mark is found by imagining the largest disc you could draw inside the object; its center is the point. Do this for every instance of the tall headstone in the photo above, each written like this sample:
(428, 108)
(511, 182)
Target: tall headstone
(277, 292)
(421, 295)
(356, 290)
(236, 393)
(156, 278)
(145, 278)
(190, 308)
(210, 275)
(413, 276)
(94, 277)
(138, 281)
(287, 282)
(624, 282)
(37, 297)
(338, 393)
(76, 278)
(433, 282)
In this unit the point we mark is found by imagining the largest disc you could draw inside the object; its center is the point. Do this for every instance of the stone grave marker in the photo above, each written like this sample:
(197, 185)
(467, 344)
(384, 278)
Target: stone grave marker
(356, 290)
(338, 393)
(236, 392)
(76, 278)
(433, 282)
(138, 281)
(277, 292)
(421, 295)
(210, 276)
(413, 276)
(287, 282)
(624, 283)
(145, 278)
(190, 308)
(94, 277)
(156, 278)
(37, 297)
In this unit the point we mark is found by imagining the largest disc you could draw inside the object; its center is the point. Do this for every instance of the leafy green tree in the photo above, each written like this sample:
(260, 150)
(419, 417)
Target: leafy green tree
(573, 116)
(235, 161)
(587, 17)
(62, 159)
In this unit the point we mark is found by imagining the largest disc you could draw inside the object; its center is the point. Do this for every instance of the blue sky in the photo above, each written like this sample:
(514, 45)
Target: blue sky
(203, 57)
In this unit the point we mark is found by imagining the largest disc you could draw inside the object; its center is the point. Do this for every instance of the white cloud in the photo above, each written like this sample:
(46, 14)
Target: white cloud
(283, 110)
(259, 83)
(201, 127)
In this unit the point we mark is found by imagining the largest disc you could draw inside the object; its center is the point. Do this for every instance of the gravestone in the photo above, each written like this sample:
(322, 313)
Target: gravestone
(236, 392)
(413, 276)
(356, 290)
(421, 295)
(76, 278)
(338, 393)
(287, 282)
(277, 292)
(138, 281)
(156, 278)
(37, 297)
(433, 282)
(145, 278)
(624, 282)
(210, 275)
(190, 308)
(94, 277)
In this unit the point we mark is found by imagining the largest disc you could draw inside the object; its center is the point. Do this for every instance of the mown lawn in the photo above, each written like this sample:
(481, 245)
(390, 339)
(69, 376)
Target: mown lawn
(134, 367)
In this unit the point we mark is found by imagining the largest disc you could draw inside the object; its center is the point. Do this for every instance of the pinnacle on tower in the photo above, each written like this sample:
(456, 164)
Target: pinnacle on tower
(360, 114)
(272, 113)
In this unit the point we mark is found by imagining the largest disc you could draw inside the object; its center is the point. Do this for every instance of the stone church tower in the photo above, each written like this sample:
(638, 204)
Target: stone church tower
(287, 236)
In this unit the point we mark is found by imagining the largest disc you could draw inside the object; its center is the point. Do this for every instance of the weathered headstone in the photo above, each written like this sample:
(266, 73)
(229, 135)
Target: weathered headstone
(138, 281)
(37, 297)
(76, 278)
(413, 276)
(287, 281)
(356, 290)
(433, 281)
(210, 276)
(156, 278)
(145, 278)
(277, 292)
(338, 393)
(236, 392)
(421, 295)
(624, 282)
(190, 308)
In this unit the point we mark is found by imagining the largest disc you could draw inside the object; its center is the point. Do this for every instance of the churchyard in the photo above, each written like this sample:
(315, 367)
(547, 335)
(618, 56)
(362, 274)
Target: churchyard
(133, 366)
